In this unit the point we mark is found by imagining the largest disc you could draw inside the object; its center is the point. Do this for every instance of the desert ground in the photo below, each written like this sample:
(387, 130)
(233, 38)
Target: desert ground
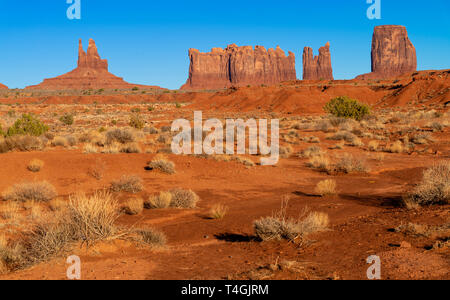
(347, 183)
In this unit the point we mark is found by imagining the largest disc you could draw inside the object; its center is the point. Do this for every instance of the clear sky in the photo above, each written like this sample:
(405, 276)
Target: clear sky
(147, 41)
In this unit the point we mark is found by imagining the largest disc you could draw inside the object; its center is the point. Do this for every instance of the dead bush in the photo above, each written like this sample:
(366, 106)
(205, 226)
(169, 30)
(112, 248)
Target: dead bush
(31, 191)
(347, 163)
(162, 164)
(127, 183)
(134, 206)
(326, 187)
(122, 136)
(151, 237)
(35, 165)
(163, 200)
(435, 186)
(184, 198)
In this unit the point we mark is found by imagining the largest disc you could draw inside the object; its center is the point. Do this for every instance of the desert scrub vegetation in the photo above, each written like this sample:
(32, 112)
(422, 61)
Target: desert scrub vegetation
(127, 183)
(133, 206)
(311, 152)
(27, 125)
(320, 163)
(280, 226)
(347, 163)
(21, 143)
(66, 119)
(161, 163)
(346, 107)
(122, 136)
(35, 165)
(183, 198)
(218, 211)
(434, 187)
(151, 237)
(162, 200)
(326, 187)
(136, 121)
(30, 191)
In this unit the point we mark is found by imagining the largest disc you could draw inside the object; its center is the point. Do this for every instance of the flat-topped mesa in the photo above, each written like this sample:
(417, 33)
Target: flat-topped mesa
(239, 66)
(393, 54)
(317, 67)
(91, 73)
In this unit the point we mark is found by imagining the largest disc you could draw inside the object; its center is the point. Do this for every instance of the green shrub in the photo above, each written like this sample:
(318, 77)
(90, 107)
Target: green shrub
(67, 119)
(28, 125)
(345, 107)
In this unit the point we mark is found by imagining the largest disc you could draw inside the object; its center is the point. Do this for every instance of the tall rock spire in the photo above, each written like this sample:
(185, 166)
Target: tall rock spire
(91, 59)
(317, 67)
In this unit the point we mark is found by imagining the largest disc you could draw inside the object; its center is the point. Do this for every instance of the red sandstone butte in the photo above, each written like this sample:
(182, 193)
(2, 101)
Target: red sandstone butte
(2, 86)
(91, 73)
(239, 66)
(317, 67)
(393, 54)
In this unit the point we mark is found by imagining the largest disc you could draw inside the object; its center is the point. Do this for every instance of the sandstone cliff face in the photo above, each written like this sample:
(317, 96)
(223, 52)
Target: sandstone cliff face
(91, 73)
(393, 54)
(239, 66)
(319, 67)
(2, 86)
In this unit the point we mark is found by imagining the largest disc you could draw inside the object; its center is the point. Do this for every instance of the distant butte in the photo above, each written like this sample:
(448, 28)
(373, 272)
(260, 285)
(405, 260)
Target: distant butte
(393, 54)
(2, 86)
(317, 67)
(91, 73)
(239, 66)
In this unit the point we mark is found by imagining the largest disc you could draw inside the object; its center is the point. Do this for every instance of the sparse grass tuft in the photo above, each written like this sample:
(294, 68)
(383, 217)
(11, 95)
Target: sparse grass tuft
(326, 187)
(35, 165)
(127, 183)
(162, 200)
(134, 206)
(218, 211)
(184, 198)
(161, 163)
(34, 191)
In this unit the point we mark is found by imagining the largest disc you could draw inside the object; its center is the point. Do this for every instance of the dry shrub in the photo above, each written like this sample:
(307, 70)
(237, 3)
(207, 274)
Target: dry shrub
(163, 200)
(218, 211)
(94, 216)
(321, 163)
(37, 191)
(184, 198)
(347, 163)
(128, 183)
(10, 211)
(59, 141)
(122, 136)
(343, 135)
(312, 152)
(35, 165)
(285, 151)
(130, 148)
(151, 237)
(279, 226)
(245, 161)
(97, 170)
(57, 204)
(134, 206)
(326, 187)
(396, 147)
(21, 143)
(89, 149)
(112, 148)
(161, 163)
(373, 145)
(435, 186)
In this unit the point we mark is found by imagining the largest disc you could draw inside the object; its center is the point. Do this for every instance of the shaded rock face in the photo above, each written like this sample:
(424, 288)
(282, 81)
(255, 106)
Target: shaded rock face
(91, 73)
(239, 66)
(2, 86)
(393, 54)
(318, 67)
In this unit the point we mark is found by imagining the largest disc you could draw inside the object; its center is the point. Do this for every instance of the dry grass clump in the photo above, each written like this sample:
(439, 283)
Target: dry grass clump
(97, 170)
(10, 211)
(343, 135)
(326, 187)
(373, 146)
(347, 163)
(32, 191)
(320, 162)
(59, 141)
(151, 237)
(163, 200)
(131, 148)
(184, 198)
(21, 143)
(435, 186)
(279, 226)
(285, 151)
(127, 183)
(311, 152)
(161, 163)
(35, 165)
(218, 211)
(89, 149)
(245, 161)
(396, 147)
(133, 206)
(122, 136)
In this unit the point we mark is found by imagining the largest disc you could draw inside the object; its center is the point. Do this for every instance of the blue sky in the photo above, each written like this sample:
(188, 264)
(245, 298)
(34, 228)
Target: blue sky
(147, 41)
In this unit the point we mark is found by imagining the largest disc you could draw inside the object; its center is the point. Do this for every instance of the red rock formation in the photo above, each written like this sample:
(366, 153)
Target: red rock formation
(2, 86)
(393, 54)
(91, 73)
(318, 67)
(239, 66)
